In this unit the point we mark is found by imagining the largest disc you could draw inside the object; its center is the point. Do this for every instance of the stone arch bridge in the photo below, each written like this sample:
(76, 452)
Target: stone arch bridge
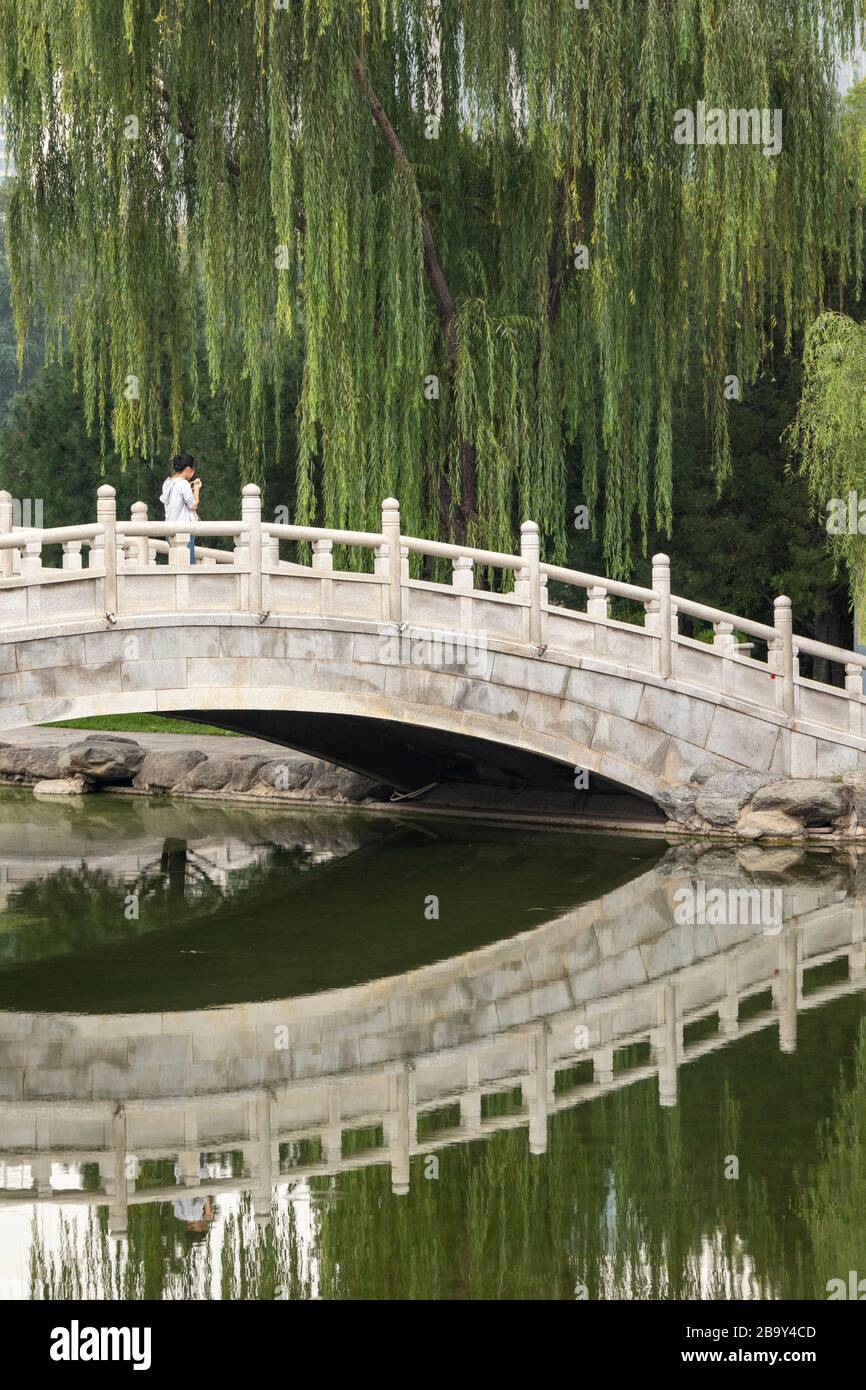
(411, 681)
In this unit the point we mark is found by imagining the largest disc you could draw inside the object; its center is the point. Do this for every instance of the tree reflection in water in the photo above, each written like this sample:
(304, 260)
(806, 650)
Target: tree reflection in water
(631, 1201)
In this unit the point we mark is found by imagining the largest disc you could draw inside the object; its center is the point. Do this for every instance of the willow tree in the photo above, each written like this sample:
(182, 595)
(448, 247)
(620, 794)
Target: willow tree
(830, 426)
(482, 226)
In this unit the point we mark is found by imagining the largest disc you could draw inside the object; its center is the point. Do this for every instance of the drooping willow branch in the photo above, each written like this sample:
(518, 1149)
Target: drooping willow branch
(236, 176)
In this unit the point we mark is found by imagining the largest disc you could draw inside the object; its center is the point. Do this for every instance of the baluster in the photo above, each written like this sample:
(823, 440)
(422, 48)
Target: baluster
(597, 604)
(725, 644)
(94, 554)
(598, 611)
(461, 573)
(178, 553)
(31, 558)
(71, 555)
(323, 564)
(462, 580)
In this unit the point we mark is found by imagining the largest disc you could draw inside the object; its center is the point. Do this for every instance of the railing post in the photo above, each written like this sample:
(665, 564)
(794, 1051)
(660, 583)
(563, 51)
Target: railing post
(251, 514)
(661, 582)
(670, 1045)
(854, 687)
(391, 538)
(118, 1214)
(7, 567)
(537, 1067)
(530, 553)
(106, 516)
(725, 644)
(400, 1105)
(783, 622)
(139, 546)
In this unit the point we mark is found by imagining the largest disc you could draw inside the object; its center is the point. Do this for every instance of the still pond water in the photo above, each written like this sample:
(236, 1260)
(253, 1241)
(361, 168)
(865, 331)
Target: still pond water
(251, 1053)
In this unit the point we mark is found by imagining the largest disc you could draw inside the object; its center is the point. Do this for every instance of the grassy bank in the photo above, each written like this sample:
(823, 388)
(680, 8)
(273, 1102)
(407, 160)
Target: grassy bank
(139, 724)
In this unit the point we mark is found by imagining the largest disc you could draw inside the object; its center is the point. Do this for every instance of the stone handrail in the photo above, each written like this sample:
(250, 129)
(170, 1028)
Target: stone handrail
(718, 615)
(577, 579)
(189, 528)
(122, 551)
(366, 539)
(51, 535)
(836, 655)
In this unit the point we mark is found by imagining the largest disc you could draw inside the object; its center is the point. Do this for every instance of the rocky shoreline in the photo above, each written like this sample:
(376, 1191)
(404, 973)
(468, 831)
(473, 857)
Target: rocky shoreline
(113, 762)
(716, 804)
(746, 805)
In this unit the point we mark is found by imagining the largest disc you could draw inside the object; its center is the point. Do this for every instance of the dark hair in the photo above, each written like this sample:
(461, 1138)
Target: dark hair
(182, 461)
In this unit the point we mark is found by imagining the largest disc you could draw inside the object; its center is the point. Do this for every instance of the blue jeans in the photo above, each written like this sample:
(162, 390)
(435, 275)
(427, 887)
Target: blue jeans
(191, 551)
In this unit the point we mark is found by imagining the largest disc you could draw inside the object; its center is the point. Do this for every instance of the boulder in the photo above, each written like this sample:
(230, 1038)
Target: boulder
(855, 780)
(103, 758)
(718, 810)
(63, 786)
(314, 780)
(245, 771)
(813, 800)
(678, 803)
(209, 775)
(223, 774)
(756, 825)
(705, 771)
(162, 771)
(776, 862)
(22, 764)
(724, 794)
(284, 774)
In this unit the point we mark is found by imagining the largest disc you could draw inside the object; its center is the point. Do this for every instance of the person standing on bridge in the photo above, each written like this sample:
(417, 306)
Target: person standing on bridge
(180, 494)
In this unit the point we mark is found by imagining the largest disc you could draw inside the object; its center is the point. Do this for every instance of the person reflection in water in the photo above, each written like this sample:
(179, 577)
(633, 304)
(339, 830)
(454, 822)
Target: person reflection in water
(173, 865)
(196, 1212)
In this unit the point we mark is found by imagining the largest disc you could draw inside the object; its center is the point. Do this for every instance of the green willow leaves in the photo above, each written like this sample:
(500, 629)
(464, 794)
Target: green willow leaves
(398, 190)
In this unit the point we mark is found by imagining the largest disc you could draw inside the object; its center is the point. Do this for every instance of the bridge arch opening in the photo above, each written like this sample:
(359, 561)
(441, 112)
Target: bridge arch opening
(440, 766)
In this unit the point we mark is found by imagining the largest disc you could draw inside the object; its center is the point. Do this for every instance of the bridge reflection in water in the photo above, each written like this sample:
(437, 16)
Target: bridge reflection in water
(572, 1023)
